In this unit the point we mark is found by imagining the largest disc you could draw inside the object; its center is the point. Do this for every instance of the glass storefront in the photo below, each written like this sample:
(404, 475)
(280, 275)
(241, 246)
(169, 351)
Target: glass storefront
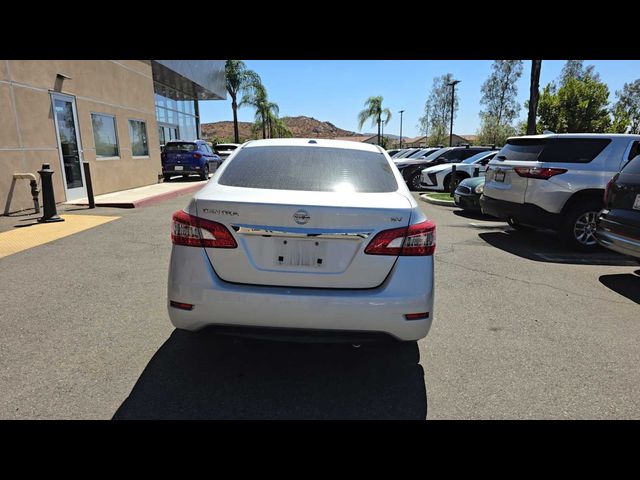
(176, 112)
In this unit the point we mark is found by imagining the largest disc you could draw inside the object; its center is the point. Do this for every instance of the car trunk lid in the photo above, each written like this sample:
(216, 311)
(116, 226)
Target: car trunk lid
(303, 239)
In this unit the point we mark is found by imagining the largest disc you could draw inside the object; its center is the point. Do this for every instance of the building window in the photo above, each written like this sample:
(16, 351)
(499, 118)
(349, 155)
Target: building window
(138, 133)
(177, 110)
(105, 135)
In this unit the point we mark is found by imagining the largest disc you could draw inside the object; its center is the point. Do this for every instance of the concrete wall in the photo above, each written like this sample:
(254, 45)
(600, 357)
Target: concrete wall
(123, 88)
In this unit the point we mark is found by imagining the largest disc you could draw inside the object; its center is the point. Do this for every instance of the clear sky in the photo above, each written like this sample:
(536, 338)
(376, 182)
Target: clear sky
(335, 90)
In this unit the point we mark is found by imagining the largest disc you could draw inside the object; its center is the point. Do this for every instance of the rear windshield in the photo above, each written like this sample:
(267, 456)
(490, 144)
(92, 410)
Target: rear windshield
(180, 147)
(314, 169)
(633, 166)
(555, 150)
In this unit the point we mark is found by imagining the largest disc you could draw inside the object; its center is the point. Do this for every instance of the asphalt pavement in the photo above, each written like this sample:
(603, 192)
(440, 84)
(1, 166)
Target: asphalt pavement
(522, 329)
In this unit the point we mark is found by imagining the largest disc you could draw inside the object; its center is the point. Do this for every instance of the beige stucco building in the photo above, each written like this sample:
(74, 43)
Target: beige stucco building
(114, 114)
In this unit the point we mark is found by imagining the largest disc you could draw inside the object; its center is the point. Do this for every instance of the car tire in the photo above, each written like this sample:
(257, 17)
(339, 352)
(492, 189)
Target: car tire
(578, 226)
(205, 172)
(414, 181)
(446, 183)
(515, 224)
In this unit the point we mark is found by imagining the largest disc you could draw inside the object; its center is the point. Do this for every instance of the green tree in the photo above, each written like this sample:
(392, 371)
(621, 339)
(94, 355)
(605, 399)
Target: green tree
(499, 93)
(626, 110)
(424, 122)
(239, 80)
(373, 111)
(576, 69)
(438, 109)
(579, 105)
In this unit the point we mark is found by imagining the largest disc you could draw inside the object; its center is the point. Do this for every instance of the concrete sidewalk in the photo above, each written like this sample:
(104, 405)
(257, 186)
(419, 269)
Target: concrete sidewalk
(142, 196)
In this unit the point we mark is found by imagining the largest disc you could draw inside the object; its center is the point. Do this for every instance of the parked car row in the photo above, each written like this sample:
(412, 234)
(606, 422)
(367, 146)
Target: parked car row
(412, 164)
(586, 187)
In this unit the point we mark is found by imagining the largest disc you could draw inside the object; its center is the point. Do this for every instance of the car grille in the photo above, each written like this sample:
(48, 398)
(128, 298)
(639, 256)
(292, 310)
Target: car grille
(463, 189)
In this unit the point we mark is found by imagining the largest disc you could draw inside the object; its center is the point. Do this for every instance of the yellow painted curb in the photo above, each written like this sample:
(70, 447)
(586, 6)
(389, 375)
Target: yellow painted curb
(20, 239)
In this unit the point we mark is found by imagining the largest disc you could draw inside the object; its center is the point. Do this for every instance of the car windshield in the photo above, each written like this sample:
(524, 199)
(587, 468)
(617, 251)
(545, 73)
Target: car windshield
(314, 169)
(436, 154)
(475, 158)
(180, 147)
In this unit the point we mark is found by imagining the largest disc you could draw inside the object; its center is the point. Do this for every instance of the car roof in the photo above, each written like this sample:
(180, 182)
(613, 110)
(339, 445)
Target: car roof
(577, 135)
(313, 142)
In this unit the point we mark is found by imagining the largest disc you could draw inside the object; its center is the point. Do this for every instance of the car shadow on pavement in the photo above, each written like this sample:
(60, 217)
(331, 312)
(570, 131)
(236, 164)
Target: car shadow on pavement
(207, 376)
(473, 215)
(181, 179)
(625, 284)
(544, 246)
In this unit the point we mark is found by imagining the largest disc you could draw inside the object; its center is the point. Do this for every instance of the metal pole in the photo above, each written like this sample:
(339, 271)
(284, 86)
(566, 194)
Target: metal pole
(452, 183)
(401, 112)
(48, 198)
(453, 96)
(87, 177)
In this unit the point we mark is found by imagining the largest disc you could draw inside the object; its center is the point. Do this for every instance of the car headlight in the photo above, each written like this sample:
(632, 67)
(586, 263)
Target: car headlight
(479, 189)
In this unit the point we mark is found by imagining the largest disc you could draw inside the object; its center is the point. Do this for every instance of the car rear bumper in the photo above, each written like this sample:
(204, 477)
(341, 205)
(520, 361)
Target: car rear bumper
(526, 213)
(618, 237)
(407, 289)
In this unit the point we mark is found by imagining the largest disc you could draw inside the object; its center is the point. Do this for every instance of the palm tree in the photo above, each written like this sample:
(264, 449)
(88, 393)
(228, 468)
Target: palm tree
(373, 110)
(240, 80)
(258, 100)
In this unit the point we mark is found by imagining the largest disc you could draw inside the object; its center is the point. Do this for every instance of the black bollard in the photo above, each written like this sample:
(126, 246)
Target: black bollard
(476, 171)
(87, 177)
(453, 181)
(48, 199)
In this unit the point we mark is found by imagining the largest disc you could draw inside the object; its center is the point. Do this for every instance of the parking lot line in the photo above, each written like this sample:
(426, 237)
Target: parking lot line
(19, 239)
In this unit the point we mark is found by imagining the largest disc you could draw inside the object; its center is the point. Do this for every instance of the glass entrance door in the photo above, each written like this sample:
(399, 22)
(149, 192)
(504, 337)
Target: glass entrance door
(167, 132)
(66, 121)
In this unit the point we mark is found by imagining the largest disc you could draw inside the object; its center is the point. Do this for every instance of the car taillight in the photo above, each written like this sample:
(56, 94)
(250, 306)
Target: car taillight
(198, 232)
(607, 189)
(197, 156)
(541, 173)
(418, 239)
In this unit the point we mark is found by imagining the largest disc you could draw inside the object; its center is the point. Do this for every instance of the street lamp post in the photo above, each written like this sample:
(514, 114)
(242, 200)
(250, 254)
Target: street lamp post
(401, 112)
(453, 96)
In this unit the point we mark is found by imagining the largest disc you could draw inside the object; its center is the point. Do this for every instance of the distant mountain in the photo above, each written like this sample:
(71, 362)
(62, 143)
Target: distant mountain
(300, 126)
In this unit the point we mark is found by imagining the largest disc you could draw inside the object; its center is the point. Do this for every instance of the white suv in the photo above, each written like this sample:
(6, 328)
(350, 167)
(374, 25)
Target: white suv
(556, 181)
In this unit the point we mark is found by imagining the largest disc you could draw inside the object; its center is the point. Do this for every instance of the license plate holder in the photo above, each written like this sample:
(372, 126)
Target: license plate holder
(456, 198)
(499, 176)
(178, 168)
(300, 253)
(636, 204)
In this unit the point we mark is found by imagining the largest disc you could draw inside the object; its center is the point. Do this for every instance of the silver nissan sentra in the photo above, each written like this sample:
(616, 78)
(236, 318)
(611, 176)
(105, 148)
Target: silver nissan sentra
(304, 237)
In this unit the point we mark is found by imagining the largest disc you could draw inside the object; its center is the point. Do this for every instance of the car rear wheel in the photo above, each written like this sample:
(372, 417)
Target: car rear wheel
(205, 172)
(167, 177)
(579, 225)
